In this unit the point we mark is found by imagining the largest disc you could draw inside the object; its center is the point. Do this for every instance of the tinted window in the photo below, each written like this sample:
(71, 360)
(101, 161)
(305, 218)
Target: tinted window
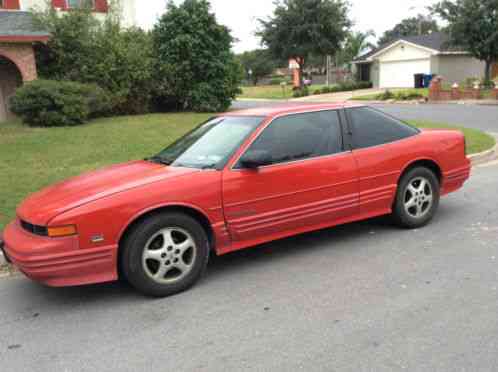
(301, 136)
(372, 128)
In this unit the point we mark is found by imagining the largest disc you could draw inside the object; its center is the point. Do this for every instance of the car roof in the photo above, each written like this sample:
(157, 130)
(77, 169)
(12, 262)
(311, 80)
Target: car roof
(289, 108)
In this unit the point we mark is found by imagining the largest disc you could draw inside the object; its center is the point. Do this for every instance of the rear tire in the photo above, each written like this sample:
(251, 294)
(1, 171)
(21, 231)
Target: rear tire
(165, 254)
(417, 198)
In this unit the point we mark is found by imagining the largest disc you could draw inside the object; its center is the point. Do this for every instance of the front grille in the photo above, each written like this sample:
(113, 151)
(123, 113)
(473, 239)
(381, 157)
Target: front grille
(34, 229)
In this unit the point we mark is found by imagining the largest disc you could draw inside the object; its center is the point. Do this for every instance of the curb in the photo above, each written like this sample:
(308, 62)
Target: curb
(485, 156)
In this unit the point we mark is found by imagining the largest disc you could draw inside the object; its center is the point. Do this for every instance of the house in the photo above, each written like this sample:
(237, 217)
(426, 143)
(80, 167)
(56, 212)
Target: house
(100, 7)
(18, 35)
(394, 65)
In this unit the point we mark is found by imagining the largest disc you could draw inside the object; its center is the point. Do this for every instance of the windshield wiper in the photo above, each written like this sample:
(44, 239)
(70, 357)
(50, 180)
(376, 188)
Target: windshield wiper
(158, 159)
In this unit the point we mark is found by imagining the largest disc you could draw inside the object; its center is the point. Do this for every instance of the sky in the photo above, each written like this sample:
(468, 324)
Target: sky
(241, 15)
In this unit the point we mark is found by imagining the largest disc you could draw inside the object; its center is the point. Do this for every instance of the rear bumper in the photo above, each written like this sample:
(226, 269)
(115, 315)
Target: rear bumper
(58, 262)
(455, 179)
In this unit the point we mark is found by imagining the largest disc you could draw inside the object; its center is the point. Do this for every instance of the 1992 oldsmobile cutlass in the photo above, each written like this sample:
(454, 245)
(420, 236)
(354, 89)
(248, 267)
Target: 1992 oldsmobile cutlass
(238, 180)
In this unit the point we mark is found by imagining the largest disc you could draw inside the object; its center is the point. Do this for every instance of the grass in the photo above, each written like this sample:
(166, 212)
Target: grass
(272, 91)
(373, 97)
(477, 141)
(32, 158)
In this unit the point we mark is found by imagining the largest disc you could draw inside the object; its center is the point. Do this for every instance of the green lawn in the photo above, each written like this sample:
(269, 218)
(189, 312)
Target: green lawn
(373, 97)
(477, 141)
(32, 158)
(272, 91)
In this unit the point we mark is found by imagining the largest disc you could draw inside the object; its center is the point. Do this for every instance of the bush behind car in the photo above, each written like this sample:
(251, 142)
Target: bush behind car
(51, 103)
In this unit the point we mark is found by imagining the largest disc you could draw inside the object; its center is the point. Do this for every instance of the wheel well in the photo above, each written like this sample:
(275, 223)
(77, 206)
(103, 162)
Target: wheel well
(198, 216)
(430, 164)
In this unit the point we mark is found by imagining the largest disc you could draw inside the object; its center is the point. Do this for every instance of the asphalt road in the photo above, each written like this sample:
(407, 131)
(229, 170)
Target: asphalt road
(472, 116)
(361, 297)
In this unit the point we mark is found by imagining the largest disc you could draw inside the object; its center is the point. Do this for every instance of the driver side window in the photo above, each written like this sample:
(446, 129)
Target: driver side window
(301, 136)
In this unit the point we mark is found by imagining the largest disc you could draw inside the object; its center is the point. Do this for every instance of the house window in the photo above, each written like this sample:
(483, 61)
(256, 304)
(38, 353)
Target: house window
(80, 4)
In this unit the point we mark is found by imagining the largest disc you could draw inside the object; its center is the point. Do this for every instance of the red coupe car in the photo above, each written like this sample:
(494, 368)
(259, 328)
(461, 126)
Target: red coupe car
(238, 180)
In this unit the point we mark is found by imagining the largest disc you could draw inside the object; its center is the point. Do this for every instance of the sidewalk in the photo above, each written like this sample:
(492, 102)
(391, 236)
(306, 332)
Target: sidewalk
(339, 96)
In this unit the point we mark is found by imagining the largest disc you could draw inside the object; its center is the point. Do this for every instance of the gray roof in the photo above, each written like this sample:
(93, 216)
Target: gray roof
(18, 23)
(438, 41)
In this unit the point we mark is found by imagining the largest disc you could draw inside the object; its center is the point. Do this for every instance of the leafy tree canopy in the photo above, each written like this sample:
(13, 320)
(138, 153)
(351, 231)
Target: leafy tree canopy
(257, 64)
(300, 28)
(419, 25)
(84, 50)
(473, 25)
(194, 66)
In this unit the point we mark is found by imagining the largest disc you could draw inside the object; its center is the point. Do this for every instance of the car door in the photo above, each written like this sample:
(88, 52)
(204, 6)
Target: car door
(311, 180)
(376, 138)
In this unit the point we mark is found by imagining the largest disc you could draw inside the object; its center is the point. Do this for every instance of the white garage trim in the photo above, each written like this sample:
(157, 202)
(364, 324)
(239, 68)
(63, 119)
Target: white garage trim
(400, 74)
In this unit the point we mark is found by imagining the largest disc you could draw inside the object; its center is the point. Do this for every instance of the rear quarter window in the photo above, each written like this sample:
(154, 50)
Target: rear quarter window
(373, 128)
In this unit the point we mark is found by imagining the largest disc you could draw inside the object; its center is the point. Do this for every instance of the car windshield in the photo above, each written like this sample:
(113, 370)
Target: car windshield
(210, 145)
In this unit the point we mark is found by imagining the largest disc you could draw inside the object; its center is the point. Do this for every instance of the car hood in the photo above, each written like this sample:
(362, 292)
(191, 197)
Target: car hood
(43, 206)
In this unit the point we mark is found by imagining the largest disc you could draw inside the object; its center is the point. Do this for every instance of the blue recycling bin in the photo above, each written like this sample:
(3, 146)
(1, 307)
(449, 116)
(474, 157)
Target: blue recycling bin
(427, 80)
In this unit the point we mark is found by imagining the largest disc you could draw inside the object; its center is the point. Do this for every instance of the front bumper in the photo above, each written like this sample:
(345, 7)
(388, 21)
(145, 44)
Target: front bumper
(58, 262)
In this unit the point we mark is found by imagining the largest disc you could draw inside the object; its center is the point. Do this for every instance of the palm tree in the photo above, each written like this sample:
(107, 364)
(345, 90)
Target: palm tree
(356, 44)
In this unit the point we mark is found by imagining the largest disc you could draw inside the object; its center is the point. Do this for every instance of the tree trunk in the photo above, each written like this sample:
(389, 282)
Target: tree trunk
(487, 73)
(301, 74)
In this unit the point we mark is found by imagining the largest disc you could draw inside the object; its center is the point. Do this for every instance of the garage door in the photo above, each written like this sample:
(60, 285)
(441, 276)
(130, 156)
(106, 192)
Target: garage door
(400, 74)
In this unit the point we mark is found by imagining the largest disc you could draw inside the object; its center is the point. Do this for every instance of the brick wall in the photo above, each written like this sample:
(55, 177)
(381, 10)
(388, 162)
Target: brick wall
(437, 93)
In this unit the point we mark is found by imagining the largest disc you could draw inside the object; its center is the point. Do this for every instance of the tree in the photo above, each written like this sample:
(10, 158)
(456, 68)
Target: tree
(257, 64)
(356, 44)
(473, 25)
(84, 50)
(419, 25)
(301, 28)
(194, 66)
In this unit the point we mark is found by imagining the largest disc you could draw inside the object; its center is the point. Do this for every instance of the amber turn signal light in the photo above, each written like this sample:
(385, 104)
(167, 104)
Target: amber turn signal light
(60, 231)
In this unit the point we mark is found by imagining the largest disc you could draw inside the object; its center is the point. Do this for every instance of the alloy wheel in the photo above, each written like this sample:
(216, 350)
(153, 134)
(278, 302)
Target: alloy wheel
(169, 255)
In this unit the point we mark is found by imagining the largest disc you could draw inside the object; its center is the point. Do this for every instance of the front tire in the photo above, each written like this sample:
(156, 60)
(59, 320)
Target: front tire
(165, 254)
(417, 198)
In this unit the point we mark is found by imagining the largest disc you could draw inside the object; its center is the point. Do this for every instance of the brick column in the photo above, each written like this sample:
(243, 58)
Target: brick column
(23, 56)
(495, 93)
(435, 89)
(455, 92)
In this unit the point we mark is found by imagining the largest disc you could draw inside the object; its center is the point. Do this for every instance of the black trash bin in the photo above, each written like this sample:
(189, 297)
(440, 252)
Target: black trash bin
(419, 80)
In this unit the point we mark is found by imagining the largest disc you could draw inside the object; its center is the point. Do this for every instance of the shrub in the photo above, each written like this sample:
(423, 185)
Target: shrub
(49, 103)
(301, 92)
(84, 50)
(386, 95)
(407, 96)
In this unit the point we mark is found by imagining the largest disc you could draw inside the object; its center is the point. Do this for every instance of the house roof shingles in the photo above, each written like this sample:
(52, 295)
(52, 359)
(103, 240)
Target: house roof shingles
(18, 25)
(438, 41)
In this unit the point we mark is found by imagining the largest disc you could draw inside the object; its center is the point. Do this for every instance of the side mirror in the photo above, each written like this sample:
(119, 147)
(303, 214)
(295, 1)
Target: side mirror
(255, 159)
